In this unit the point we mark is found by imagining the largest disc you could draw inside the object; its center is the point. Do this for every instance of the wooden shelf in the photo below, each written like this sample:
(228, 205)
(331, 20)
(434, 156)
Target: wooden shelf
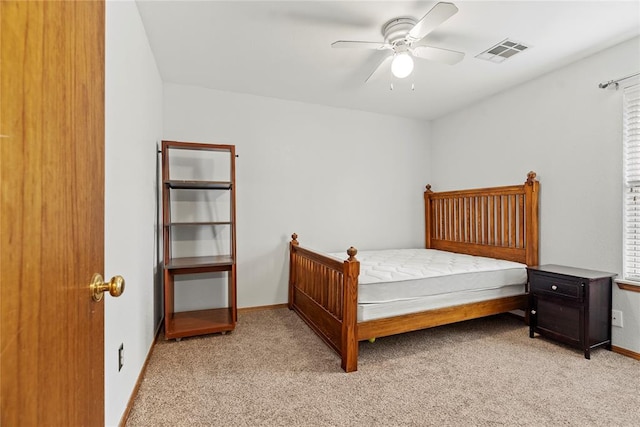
(199, 261)
(199, 322)
(177, 224)
(198, 185)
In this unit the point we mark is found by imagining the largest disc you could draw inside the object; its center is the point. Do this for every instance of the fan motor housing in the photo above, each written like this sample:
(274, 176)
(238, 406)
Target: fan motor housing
(396, 29)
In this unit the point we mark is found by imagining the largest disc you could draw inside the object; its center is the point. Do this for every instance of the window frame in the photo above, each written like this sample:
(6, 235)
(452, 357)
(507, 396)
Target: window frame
(631, 178)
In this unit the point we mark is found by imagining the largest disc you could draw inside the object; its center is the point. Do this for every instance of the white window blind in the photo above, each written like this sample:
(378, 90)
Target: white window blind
(631, 137)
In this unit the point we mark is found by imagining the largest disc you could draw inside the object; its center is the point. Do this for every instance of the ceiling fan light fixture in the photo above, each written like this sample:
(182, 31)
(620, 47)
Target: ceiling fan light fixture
(402, 65)
(406, 37)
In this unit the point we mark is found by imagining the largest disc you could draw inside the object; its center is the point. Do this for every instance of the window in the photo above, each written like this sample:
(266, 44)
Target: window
(631, 138)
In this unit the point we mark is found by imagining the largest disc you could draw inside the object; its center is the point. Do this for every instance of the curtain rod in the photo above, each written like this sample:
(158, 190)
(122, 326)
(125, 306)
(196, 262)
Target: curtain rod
(615, 82)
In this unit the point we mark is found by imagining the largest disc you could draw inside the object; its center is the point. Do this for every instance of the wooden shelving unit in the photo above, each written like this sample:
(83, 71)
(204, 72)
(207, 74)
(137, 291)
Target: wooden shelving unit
(179, 324)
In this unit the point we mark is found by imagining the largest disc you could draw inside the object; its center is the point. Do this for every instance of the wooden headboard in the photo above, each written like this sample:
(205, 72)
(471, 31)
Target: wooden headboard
(497, 222)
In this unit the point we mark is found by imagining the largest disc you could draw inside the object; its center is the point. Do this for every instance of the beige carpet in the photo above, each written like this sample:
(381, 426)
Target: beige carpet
(274, 371)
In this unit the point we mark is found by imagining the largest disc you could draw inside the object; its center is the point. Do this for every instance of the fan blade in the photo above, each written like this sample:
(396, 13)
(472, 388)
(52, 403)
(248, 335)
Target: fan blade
(436, 16)
(384, 65)
(361, 45)
(437, 54)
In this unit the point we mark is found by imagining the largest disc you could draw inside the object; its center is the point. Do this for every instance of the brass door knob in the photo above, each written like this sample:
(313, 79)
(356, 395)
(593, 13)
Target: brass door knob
(115, 286)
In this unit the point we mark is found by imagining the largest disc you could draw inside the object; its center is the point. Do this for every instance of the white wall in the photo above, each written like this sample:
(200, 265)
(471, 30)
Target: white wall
(336, 177)
(133, 110)
(569, 131)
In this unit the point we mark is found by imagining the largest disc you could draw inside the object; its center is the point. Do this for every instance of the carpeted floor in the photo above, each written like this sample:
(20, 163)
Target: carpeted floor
(274, 371)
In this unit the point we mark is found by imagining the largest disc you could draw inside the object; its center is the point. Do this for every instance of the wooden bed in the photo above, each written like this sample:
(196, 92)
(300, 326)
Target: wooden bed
(498, 222)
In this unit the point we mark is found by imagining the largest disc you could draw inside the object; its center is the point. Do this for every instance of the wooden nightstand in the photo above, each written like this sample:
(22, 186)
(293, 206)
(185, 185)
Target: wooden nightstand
(571, 305)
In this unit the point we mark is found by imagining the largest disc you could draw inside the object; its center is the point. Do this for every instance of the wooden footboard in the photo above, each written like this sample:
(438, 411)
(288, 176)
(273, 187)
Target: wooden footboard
(324, 291)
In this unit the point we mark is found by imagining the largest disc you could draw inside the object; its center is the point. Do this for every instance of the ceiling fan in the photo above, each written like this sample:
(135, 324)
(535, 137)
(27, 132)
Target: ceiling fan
(406, 38)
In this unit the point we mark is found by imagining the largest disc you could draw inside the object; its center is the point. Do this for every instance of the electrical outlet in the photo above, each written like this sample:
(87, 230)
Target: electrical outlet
(616, 318)
(120, 357)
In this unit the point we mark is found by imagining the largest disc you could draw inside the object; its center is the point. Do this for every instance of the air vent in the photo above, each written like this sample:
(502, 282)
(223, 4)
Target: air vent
(502, 51)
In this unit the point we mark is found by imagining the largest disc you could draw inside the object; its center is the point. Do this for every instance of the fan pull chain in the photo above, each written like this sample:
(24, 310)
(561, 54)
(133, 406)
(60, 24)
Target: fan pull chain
(413, 86)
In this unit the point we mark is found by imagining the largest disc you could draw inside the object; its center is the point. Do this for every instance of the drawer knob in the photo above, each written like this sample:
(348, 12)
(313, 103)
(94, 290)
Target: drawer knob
(533, 312)
(554, 287)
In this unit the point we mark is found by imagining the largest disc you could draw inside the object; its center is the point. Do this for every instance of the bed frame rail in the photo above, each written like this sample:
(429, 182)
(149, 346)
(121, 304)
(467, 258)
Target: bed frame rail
(324, 292)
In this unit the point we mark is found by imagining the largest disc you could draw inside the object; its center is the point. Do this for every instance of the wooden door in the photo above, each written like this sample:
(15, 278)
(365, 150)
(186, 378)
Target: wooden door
(52, 212)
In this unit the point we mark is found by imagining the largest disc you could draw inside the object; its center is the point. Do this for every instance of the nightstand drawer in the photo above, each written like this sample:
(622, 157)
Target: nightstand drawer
(554, 285)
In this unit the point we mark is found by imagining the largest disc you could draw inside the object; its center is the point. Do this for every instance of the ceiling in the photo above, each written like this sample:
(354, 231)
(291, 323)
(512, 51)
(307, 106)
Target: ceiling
(282, 49)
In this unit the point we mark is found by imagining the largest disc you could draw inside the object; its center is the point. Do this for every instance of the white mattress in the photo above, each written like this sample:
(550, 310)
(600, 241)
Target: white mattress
(401, 281)
(397, 308)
